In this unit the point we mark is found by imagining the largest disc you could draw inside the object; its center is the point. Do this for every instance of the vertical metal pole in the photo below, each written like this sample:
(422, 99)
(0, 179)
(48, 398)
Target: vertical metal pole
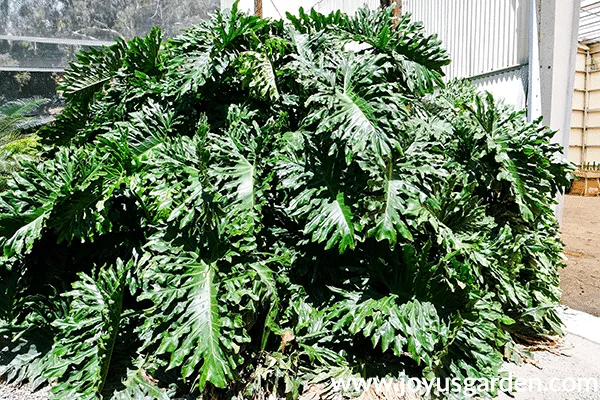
(534, 102)
(558, 45)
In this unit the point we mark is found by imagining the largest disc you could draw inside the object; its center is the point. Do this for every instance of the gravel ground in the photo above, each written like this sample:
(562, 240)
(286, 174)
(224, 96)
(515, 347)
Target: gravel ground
(9, 392)
(569, 368)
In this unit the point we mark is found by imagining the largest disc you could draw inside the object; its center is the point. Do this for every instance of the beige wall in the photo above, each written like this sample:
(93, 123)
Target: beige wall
(584, 141)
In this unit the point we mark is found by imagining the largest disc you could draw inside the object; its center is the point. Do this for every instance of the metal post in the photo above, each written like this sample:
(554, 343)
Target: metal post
(534, 101)
(558, 46)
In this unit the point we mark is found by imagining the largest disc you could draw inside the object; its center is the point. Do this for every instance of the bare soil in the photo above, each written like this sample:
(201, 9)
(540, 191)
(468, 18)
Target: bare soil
(580, 280)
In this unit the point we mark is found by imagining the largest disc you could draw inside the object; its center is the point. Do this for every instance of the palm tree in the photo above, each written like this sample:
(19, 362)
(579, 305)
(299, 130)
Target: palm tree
(18, 141)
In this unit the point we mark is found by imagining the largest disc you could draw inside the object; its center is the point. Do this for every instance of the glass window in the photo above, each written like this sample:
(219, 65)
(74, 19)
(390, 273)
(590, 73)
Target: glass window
(45, 34)
(38, 38)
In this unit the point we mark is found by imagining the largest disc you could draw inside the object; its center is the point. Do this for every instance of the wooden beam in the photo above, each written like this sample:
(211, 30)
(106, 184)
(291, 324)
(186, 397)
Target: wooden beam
(398, 9)
(387, 3)
(397, 6)
(258, 8)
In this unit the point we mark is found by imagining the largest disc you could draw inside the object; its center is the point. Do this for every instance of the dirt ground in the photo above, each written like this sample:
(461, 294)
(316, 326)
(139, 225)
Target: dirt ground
(580, 280)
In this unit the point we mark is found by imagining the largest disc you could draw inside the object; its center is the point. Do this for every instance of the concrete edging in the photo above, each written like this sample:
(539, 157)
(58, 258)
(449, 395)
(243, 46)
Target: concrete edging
(581, 324)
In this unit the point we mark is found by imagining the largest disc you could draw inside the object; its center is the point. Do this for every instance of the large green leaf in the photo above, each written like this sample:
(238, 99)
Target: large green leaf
(260, 74)
(139, 385)
(413, 327)
(192, 336)
(92, 71)
(148, 128)
(331, 221)
(390, 222)
(82, 355)
(22, 239)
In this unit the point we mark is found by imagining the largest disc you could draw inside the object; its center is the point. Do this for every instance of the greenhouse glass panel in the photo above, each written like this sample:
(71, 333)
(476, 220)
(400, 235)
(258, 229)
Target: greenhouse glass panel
(44, 35)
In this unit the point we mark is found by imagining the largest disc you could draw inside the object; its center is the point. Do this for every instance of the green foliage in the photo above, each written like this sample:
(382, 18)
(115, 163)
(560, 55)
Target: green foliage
(17, 142)
(16, 117)
(88, 333)
(258, 206)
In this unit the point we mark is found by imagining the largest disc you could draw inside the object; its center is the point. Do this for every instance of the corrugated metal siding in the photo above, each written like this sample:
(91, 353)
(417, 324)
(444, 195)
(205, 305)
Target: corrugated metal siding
(510, 85)
(481, 36)
(488, 41)
(589, 21)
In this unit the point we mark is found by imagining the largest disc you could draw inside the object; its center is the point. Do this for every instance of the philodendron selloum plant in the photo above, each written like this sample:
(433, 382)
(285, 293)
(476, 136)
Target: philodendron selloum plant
(257, 206)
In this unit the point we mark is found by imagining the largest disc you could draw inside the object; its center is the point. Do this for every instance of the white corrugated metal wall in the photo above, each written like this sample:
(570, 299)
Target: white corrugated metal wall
(349, 6)
(481, 36)
(488, 41)
(584, 142)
